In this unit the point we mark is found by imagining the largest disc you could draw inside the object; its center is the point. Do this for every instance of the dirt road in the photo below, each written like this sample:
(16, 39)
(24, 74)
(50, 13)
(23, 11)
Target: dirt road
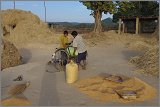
(49, 89)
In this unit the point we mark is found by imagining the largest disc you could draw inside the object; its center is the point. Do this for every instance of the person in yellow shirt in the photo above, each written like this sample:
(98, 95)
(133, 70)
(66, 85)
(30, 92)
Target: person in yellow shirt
(64, 39)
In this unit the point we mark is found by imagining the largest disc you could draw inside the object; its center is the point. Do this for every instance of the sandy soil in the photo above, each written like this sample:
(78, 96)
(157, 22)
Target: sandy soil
(49, 89)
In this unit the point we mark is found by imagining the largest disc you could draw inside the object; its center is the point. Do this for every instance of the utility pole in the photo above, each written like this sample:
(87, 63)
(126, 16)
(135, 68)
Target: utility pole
(119, 28)
(1, 34)
(1, 4)
(45, 10)
(14, 4)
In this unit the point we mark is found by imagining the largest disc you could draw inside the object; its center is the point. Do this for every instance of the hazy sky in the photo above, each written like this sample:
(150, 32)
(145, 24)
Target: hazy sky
(57, 11)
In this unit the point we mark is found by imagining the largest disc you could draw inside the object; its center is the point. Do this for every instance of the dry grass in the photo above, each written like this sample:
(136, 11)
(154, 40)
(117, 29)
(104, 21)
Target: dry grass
(147, 62)
(16, 101)
(10, 55)
(131, 40)
(18, 89)
(22, 27)
(104, 90)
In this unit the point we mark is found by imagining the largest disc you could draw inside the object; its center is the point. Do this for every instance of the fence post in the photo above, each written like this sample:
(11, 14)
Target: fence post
(119, 28)
(137, 25)
(123, 27)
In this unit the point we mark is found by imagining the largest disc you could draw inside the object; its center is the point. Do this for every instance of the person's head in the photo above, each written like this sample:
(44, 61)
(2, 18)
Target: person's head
(65, 33)
(74, 34)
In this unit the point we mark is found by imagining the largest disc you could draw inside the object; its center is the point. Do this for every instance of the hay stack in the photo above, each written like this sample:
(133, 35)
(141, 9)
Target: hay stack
(16, 101)
(23, 27)
(156, 33)
(92, 39)
(148, 62)
(10, 56)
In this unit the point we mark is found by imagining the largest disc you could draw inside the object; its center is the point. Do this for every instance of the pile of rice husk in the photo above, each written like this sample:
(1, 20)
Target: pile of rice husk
(93, 39)
(103, 90)
(156, 33)
(16, 101)
(133, 41)
(22, 27)
(110, 37)
(148, 62)
(148, 44)
(142, 43)
(10, 56)
(12, 88)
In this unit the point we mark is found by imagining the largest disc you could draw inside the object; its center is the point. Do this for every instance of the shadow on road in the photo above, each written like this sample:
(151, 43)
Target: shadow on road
(130, 53)
(26, 55)
(49, 95)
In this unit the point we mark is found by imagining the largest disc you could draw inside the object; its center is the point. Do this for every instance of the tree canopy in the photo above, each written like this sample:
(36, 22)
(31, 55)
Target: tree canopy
(99, 7)
(138, 8)
(103, 6)
(120, 8)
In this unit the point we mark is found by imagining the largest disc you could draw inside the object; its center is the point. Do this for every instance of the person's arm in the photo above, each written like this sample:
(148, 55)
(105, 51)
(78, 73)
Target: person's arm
(68, 43)
(75, 46)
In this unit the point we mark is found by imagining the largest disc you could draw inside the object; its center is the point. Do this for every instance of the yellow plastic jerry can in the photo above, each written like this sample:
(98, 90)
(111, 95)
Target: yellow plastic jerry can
(71, 72)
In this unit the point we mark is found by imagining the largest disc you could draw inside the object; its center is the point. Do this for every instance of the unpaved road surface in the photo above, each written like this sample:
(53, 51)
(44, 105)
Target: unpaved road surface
(50, 88)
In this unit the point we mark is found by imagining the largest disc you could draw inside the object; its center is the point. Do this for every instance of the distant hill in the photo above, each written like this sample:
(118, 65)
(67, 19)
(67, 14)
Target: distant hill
(108, 23)
(68, 23)
(72, 24)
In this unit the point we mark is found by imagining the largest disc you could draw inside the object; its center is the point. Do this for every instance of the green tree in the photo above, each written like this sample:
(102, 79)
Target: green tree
(138, 8)
(97, 8)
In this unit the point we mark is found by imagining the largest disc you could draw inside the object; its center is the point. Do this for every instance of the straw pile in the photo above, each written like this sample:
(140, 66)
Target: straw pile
(112, 36)
(22, 27)
(93, 39)
(149, 61)
(156, 33)
(18, 88)
(104, 90)
(16, 101)
(10, 56)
